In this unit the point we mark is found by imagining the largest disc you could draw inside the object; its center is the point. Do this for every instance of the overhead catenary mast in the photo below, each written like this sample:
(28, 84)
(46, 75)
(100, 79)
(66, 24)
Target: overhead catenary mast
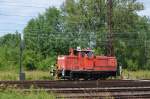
(110, 48)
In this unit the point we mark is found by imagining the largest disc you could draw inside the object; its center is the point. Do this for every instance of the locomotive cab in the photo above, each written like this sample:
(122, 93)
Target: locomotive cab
(83, 52)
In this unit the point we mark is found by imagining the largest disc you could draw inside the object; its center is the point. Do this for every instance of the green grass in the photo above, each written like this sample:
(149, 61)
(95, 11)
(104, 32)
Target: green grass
(141, 74)
(45, 75)
(30, 75)
(18, 94)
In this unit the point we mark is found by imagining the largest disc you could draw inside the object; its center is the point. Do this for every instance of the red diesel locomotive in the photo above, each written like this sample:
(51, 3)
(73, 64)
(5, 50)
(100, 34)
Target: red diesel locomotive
(84, 64)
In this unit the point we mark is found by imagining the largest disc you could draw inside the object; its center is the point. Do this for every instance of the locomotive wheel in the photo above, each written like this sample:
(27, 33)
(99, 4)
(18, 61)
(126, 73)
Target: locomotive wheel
(73, 76)
(87, 76)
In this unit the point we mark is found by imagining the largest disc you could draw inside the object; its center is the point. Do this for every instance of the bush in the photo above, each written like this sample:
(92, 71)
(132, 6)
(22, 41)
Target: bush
(31, 60)
(34, 61)
(147, 66)
(47, 63)
(9, 58)
(132, 65)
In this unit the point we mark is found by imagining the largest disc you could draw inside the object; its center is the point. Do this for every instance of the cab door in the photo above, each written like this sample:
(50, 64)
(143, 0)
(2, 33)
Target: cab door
(88, 63)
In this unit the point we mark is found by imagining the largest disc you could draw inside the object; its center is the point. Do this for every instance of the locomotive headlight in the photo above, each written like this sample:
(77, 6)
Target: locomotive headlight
(63, 72)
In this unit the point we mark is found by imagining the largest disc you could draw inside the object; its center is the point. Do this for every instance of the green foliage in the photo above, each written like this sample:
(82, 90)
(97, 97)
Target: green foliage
(42, 34)
(10, 40)
(82, 23)
(33, 60)
(132, 65)
(30, 60)
(47, 63)
(9, 51)
(43, 39)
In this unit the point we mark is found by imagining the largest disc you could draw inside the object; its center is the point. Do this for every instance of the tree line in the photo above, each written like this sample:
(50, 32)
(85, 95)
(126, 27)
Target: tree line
(83, 23)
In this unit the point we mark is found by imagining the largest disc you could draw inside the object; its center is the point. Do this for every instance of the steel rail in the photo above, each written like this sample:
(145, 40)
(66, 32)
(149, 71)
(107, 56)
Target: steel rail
(85, 89)
(76, 84)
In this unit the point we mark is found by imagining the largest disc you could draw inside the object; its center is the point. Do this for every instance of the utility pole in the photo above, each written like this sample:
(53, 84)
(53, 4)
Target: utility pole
(110, 48)
(21, 72)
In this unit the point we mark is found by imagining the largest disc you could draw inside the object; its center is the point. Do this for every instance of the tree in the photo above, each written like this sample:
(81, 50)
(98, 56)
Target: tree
(85, 17)
(9, 51)
(84, 23)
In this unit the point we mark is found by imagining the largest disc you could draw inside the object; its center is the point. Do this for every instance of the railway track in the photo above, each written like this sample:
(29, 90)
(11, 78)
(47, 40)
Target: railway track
(87, 89)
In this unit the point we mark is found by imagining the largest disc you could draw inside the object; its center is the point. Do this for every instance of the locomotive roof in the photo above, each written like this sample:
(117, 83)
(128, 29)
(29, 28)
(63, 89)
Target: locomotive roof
(84, 50)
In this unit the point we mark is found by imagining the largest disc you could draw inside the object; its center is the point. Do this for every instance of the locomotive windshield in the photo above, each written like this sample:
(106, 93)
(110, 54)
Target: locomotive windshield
(84, 52)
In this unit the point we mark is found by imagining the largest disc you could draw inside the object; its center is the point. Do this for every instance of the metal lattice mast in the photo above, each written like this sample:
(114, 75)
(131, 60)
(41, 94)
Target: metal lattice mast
(110, 48)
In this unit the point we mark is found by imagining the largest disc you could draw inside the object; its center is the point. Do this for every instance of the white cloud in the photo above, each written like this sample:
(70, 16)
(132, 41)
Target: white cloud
(146, 11)
(25, 9)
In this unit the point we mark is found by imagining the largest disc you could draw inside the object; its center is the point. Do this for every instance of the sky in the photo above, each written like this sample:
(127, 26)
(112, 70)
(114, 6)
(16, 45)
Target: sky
(14, 14)
(146, 11)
